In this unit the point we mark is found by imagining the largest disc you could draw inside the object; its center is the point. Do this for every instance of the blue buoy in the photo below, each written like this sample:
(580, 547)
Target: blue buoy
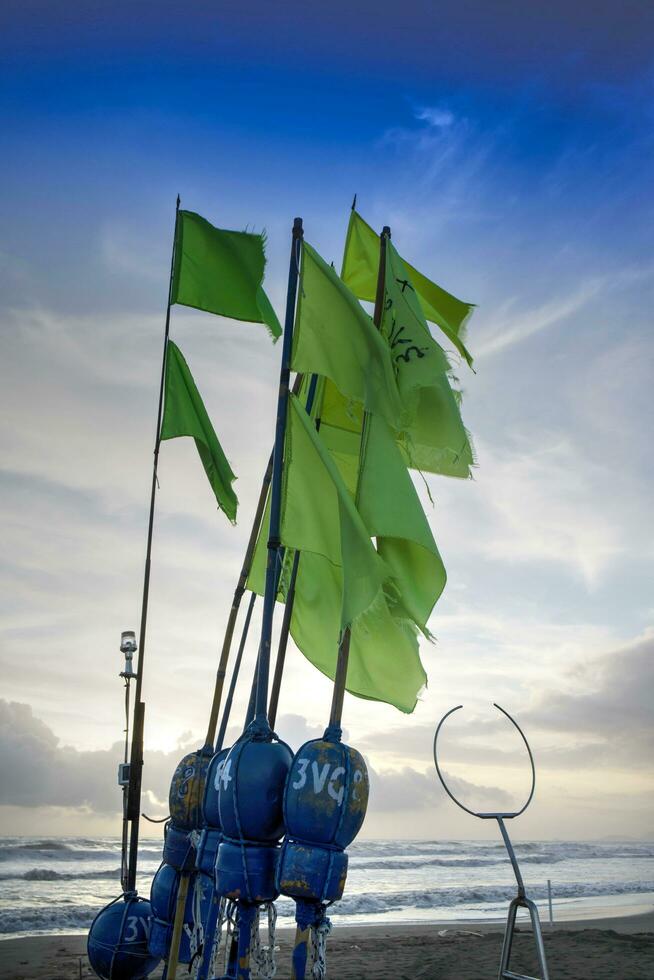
(250, 798)
(178, 851)
(163, 899)
(210, 811)
(117, 944)
(325, 805)
(187, 790)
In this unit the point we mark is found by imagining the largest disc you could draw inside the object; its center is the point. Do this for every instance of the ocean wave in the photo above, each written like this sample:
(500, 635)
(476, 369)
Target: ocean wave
(49, 874)
(56, 919)
(46, 919)
(383, 902)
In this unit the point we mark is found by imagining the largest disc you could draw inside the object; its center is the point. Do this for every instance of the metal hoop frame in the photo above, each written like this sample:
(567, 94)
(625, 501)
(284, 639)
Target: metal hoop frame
(486, 816)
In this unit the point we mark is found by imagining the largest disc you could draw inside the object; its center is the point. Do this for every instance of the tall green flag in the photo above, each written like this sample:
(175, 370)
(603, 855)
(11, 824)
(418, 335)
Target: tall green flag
(398, 372)
(384, 661)
(335, 337)
(185, 415)
(359, 273)
(341, 578)
(318, 515)
(392, 513)
(221, 271)
(437, 440)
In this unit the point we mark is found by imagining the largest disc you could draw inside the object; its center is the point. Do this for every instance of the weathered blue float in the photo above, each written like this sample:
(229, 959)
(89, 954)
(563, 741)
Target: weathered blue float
(117, 944)
(324, 807)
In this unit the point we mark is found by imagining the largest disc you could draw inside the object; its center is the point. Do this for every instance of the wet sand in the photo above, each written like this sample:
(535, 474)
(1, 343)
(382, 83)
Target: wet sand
(620, 948)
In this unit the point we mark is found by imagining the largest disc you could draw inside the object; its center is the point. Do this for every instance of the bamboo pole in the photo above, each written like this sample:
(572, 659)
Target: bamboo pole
(136, 757)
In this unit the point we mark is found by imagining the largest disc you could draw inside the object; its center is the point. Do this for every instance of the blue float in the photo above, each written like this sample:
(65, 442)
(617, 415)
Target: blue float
(163, 899)
(325, 804)
(178, 850)
(187, 789)
(251, 794)
(117, 944)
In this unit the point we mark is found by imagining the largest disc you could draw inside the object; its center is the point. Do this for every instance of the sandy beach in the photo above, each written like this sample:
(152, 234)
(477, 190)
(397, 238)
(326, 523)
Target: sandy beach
(620, 948)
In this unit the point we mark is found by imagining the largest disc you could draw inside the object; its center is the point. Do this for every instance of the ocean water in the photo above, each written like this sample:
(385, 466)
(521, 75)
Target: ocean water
(57, 885)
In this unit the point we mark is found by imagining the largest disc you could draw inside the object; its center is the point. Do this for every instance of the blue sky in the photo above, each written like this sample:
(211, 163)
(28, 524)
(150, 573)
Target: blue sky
(510, 149)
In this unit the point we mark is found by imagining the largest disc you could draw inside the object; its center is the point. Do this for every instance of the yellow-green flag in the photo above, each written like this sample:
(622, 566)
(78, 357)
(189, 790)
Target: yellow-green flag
(359, 273)
(318, 515)
(221, 271)
(185, 415)
(437, 440)
(335, 338)
(384, 662)
(342, 581)
(392, 513)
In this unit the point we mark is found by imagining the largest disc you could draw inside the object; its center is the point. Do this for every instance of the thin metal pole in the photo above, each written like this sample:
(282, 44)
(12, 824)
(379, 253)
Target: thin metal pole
(512, 857)
(263, 670)
(340, 677)
(136, 759)
(549, 901)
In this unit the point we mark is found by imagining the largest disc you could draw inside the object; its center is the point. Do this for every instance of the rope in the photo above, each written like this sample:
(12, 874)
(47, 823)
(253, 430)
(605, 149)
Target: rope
(263, 957)
(319, 932)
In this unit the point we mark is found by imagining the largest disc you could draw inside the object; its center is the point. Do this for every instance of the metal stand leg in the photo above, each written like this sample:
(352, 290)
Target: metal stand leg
(505, 973)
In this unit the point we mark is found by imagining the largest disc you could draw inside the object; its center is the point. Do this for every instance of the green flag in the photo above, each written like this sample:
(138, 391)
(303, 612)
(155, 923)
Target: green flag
(384, 661)
(221, 271)
(318, 515)
(359, 273)
(185, 415)
(436, 440)
(334, 337)
(392, 513)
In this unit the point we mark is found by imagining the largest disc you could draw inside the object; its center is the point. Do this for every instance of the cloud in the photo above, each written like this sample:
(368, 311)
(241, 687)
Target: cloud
(604, 706)
(435, 117)
(506, 328)
(409, 791)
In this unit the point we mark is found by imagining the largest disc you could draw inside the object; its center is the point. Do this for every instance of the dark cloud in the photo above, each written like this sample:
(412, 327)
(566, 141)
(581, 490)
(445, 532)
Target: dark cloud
(36, 770)
(601, 714)
(609, 715)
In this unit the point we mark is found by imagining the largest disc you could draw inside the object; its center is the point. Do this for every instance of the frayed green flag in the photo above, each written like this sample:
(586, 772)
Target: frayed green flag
(392, 513)
(319, 516)
(341, 578)
(221, 272)
(334, 337)
(185, 415)
(384, 660)
(359, 273)
(436, 440)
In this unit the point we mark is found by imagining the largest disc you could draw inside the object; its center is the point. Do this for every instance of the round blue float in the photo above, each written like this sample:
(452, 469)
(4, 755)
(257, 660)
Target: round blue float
(326, 794)
(117, 944)
(187, 790)
(250, 798)
(325, 805)
(210, 810)
(246, 872)
(178, 851)
(163, 898)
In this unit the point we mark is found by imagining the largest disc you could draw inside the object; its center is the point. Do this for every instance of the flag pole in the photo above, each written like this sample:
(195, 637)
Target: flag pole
(274, 543)
(290, 596)
(340, 677)
(233, 612)
(136, 757)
